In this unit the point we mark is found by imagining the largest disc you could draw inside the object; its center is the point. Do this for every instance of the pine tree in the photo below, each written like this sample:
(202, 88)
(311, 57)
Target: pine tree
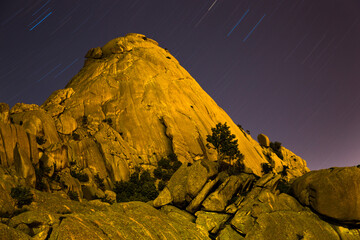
(225, 143)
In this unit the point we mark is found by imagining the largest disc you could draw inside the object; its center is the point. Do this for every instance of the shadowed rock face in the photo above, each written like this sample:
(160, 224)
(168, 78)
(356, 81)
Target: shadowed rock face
(333, 192)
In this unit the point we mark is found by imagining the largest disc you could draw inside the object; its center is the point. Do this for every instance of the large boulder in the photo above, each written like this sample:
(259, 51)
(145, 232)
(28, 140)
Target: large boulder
(331, 192)
(185, 184)
(65, 124)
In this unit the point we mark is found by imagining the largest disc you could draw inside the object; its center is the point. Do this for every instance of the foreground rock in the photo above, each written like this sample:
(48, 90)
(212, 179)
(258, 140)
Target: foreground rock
(331, 192)
(52, 216)
(247, 207)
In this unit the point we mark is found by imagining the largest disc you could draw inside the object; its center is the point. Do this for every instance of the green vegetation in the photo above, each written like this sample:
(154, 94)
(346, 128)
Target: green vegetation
(73, 195)
(84, 120)
(266, 168)
(75, 136)
(226, 146)
(22, 195)
(161, 185)
(140, 187)
(237, 168)
(82, 177)
(276, 147)
(167, 167)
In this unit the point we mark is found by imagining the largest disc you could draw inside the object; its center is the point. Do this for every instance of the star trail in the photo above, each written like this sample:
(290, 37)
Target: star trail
(285, 68)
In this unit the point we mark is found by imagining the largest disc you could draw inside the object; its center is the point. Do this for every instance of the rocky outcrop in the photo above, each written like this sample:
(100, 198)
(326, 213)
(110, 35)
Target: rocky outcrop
(246, 207)
(331, 192)
(259, 208)
(149, 104)
(131, 105)
(52, 216)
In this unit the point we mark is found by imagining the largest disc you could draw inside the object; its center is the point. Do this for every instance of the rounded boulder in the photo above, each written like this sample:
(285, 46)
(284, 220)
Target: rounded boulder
(331, 192)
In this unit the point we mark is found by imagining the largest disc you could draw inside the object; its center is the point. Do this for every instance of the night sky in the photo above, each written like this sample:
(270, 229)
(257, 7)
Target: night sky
(287, 68)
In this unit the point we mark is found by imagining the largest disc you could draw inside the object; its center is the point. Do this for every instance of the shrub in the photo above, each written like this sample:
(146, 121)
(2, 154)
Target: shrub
(140, 187)
(284, 171)
(237, 168)
(73, 195)
(75, 136)
(164, 163)
(82, 177)
(158, 173)
(161, 185)
(167, 167)
(84, 120)
(22, 195)
(99, 182)
(266, 168)
(40, 140)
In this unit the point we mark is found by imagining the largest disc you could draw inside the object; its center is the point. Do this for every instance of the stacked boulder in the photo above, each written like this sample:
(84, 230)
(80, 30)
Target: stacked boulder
(246, 206)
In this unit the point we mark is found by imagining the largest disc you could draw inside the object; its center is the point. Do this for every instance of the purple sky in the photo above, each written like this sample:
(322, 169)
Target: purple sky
(287, 68)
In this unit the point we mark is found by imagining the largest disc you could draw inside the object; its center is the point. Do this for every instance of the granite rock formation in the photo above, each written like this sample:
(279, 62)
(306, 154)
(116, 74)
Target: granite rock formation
(245, 206)
(131, 105)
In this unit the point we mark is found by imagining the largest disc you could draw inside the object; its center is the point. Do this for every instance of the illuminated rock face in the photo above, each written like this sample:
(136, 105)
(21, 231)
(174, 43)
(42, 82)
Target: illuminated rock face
(141, 92)
(130, 105)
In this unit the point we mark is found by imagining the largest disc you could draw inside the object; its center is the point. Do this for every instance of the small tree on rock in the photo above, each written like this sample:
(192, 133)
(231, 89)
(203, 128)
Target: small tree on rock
(224, 143)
